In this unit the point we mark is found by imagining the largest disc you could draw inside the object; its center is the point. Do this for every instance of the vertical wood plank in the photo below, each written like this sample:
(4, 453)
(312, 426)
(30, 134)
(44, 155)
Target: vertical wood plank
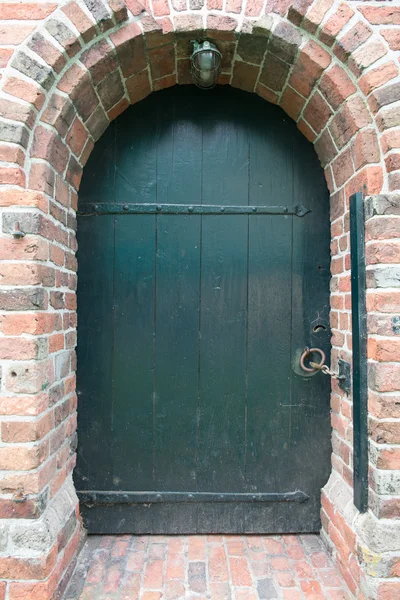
(136, 154)
(179, 149)
(133, 368)
(222, 353)
(176, 354)
(269, 337)
(95, 334)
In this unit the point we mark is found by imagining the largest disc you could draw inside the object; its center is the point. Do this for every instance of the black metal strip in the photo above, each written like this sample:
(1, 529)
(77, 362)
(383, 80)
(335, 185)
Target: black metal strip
(196, 209)
(96, 497)
(359, 336)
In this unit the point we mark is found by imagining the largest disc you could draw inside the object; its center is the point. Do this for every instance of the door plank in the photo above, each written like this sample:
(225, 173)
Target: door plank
(222, 354)
(269, 340)
(133, 367)
(94, 388)
(176, 353)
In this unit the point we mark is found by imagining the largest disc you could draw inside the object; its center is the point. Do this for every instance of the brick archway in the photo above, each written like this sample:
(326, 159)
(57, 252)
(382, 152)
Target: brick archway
(332, 70)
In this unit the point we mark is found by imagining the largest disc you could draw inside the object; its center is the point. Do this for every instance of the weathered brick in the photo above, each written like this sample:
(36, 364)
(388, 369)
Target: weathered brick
(138, 86)
(285, 42)
(336, 86)
(315, 15)
(365, 148)
(48, 146)
(378, 76)
(381, 15)
(392, 36)
(274, 73)
(352, 117)
(48, 51)
(388, 117)
(24, 90)
(311, 63)
(76, 140)
(81, 21)
(244, 76)
(317, 112)
(25, 10)
(357, 35)
(33, 69)
(292, 103)
(100, 60)
(366, 56)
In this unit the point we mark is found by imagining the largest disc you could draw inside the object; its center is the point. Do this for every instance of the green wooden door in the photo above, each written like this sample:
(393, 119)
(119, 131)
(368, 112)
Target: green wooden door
(203, 273)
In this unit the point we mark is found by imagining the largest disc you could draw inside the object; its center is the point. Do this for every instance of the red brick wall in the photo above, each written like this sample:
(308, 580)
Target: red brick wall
(67, 69)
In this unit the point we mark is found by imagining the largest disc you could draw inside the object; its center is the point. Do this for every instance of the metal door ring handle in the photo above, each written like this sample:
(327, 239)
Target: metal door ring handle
(306, 354)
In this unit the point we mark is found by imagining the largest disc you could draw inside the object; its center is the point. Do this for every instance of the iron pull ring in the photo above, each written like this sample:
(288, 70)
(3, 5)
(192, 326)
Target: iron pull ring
(317, 367)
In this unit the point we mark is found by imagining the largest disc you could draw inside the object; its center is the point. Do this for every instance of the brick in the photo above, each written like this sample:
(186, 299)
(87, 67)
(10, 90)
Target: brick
(381, 15)
(100, 60)
(81, 21)
(244, 76)
(377, 77)
(384, 377)
(253, 8)
(24, 10)
(76, 82)
(14, 34)
(365, 148)
(357, 35)
(138, 86)
(20, 349)
(217, 564)
(48, 146)
(292, 103)
(366, 56)
(336, 86)
(33, 69)
(5, 55)
(48, 51)
(325, 148)
(33, 323)
(311, 63)
(233, 6)
(297, 10)
(64, 36)
(317, 112)
(12, 154)
(342, 168)
(392, 36)
(352, 117)
(76, 140)
(26, 431)
(24, 90)
(162, 61)
(251, 49)
(129, 44)
(315, 15)
(390, 140)
(388, 117)
(266, 93)
(285, 42)
(12, 176)
(74, 173)
(384, 96)
(383, 252)
(59, 113)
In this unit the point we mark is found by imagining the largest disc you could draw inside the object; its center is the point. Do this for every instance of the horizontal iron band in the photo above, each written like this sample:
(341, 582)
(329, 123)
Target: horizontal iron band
(97, 497)
(195, 209)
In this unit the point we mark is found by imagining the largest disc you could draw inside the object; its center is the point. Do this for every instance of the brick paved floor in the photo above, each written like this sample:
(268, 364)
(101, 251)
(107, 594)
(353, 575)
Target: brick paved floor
(288, 567)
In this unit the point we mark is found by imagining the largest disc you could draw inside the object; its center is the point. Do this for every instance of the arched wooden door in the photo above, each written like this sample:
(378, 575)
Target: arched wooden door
(203, 273)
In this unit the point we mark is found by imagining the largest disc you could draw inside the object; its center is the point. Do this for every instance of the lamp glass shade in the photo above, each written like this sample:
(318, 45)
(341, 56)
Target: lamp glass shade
(206, 64)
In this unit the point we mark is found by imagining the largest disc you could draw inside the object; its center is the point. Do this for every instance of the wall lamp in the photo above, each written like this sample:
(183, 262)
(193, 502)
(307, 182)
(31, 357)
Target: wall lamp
(206, 64)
